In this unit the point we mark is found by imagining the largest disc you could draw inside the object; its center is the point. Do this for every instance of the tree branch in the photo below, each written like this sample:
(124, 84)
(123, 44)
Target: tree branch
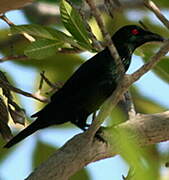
(12, 58)
(123, 85)
(79, 151)
(6, 5)
(106, 35)
(4, 84)
(148, 129)
(152, 7)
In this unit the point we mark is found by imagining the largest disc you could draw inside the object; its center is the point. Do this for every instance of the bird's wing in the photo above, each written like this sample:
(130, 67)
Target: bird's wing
(86, 76)
(84, 86)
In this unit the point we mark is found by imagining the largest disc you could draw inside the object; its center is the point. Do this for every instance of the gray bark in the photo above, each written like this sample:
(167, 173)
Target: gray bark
(81, 150)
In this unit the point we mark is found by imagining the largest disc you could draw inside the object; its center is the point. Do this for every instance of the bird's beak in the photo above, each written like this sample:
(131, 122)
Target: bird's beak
(149, 37)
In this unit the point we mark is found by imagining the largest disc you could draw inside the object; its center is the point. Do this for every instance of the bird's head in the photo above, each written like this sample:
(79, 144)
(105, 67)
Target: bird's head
(130, 37)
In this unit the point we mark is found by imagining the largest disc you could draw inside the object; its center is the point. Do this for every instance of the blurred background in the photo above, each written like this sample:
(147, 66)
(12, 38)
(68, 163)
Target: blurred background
(150, 93)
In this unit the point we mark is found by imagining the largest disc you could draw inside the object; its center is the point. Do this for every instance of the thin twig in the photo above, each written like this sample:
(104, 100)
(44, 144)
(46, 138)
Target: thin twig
(108, 7)
(143, 25)
(96, 44)
(41, 80)
(52, 13)
(150, 64)
(109, 4)
(11, 58)
(70, 50)
(109, 43)
(24, 57)
(128, 80)
(4, 18)
(54, 86)
(117, 3)
(10, 23)
(153, 7)
(7, 85)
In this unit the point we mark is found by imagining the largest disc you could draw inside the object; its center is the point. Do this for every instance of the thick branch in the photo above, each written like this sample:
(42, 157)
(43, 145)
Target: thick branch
(79, 151)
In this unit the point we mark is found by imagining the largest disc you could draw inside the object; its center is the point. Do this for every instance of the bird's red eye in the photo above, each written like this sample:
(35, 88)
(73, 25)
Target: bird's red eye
(135, 31)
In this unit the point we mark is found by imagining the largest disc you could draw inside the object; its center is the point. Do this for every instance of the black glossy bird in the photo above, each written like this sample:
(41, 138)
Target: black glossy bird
(86, 90)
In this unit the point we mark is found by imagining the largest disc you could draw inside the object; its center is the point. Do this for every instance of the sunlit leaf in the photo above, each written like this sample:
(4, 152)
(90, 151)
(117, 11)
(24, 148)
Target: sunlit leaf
(143, 104)
(134, 155)
(62, 37)
(42, 48)
(17, 114)
(5, 131)
(43, 32)
(162, 68)
(139, 52)
(74, 24)
(33, 29)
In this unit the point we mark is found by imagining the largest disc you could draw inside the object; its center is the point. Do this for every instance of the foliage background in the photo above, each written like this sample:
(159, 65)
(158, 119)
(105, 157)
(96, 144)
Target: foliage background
(150, 93)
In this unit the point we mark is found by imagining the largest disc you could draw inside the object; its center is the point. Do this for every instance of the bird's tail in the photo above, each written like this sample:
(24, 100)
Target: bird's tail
(24, 133)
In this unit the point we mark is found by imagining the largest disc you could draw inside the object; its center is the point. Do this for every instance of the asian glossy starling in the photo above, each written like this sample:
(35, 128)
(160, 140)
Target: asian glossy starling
(87, 89)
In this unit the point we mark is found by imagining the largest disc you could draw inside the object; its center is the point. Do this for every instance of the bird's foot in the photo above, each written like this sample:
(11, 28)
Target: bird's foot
(99, 135)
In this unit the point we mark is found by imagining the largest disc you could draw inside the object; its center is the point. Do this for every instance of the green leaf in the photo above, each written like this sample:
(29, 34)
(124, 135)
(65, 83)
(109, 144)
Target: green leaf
(45, 33)
(60, 36)
(144, 104)
(33, 29)
(74, 24)
(135, 156)
(162, 68)
(41, 153)
(42, 48)
(139, 52)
